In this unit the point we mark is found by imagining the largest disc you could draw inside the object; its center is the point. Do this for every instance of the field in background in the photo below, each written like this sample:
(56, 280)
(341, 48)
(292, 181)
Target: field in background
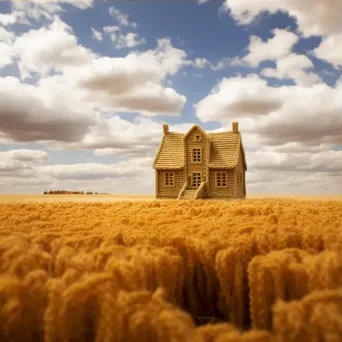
(257, 270)
(115, 198)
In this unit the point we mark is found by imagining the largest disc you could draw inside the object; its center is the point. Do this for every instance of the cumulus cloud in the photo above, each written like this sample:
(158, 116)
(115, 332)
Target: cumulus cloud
(289, 65)
(29, 11)
(121, 18)
(6, 36)
(86, 84)
(25, 115)
(50, 48)
(278, 115)
(273, 49)
(314, 17)
(25, 155)
(7, 19)
(7, 54)
(294, 67)
(91, 171)
(130, 176)
(20, 161)
(134, 83)
(293, 182)
(323, 161)
(330, 50)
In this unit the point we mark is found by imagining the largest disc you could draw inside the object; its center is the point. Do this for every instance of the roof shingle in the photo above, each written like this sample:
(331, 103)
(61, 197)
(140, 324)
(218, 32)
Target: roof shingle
(224, 151)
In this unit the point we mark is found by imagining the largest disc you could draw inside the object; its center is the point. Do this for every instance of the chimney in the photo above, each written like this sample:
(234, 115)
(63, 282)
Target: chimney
(235, 127)
(166, 128)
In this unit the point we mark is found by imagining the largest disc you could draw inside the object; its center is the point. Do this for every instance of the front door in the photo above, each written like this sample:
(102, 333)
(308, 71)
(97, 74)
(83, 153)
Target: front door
(195, 180)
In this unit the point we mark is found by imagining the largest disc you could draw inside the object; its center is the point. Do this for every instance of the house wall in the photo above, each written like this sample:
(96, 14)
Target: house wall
(169, 192)
(240, 178)
(214, 190)
(189, 145)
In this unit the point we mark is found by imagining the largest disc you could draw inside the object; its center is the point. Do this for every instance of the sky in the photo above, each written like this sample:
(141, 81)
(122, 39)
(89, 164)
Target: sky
(85, 87)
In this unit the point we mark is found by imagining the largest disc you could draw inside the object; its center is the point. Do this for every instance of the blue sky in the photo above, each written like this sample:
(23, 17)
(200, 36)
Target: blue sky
(85, 87)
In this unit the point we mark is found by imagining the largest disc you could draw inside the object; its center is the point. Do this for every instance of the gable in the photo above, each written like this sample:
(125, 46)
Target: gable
(225, 149)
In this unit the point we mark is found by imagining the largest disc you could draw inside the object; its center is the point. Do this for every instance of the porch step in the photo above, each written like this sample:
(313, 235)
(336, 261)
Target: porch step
(189, 194)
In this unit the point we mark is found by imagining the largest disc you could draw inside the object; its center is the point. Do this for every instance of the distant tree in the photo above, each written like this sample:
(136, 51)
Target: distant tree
(45, 192)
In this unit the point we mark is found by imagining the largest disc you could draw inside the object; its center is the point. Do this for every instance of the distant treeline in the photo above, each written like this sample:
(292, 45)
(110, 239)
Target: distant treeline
(66, 192)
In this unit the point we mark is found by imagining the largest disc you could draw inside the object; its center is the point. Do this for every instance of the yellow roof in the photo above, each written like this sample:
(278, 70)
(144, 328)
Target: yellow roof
(224, 151)
(170, 154)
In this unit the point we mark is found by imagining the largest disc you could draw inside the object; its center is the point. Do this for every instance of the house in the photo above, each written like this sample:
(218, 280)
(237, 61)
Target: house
(197, 164)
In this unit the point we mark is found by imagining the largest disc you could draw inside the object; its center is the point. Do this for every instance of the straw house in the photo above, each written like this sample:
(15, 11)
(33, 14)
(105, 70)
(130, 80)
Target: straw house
(197, 164)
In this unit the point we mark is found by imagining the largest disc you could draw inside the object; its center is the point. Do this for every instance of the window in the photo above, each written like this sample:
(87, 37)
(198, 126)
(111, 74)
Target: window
(198, 137)
(196, 155)
(196, 179)
(169, 179)
(221, 179)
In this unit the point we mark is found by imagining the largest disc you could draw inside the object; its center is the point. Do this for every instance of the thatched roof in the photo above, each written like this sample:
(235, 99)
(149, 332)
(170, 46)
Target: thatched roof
(224, 150)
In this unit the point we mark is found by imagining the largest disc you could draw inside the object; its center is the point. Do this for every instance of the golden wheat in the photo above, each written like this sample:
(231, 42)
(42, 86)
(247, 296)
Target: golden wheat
(152, 271)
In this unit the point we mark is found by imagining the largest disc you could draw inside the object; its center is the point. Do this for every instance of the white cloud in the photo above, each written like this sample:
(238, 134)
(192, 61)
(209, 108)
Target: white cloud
(92, 171)
(111, 29)
(128, 40)
(54, 47)
(86, 81)
(323, 161)
(227, 62)
(6, 36)
(200, 63)
(293, 67)
(121, 18)
(7, 19)
(278, 49)
(278, 115)
(97, 35)
(28, 11)
(25, 155)
(7, 54)
(314, 17)
(133, 176)
(120, 40)
(273, 49)
(330, 50)
(26, 114)
(20, 161)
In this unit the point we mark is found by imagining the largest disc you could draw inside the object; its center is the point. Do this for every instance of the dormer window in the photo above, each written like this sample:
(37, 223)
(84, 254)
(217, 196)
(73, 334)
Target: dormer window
(198, 137)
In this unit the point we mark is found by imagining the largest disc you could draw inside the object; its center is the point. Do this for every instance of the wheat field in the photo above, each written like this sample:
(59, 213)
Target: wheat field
(107, 269)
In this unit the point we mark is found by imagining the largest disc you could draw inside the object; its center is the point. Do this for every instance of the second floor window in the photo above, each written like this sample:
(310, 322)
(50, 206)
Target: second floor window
(196, 155)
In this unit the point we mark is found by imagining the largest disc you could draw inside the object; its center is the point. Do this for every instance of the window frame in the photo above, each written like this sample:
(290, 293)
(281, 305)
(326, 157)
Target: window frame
(199, 174)
(219, 176)
(200, 154)
(167, 175)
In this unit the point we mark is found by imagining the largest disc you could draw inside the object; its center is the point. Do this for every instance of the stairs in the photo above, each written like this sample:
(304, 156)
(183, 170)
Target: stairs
(189, 194)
